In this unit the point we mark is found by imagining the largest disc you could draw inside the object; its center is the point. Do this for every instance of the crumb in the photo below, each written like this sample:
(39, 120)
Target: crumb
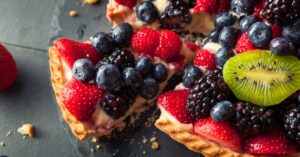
(8, 133)
(145, 140)
(153, 139)
(95, 139)
(98, 146)
(144, 152)
(92, 150)
(155, 145)
(73, 13)
(132, 141)
(24, 137)
(26, 130)
(2, 144)
(90, 1)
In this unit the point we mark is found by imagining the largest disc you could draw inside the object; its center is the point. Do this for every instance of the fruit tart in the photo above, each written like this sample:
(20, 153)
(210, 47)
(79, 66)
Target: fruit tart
(241, 95)
(114, 76)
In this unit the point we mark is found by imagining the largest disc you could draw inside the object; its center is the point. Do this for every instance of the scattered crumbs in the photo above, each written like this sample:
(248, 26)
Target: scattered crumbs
(150, 121)
(26, 130)
(90, 1)
(9, 133)
(92, 150)
(116, 152)
(132, 141)
(144, 140)
(98, 146)
(144, 152)
(2, 144)
(153, 139)
(155, 145)
(95, 139)
(73, 13)
(24, 137)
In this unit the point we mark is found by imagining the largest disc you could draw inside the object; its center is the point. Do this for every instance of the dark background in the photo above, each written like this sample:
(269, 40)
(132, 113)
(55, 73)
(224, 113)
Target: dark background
(26, 29)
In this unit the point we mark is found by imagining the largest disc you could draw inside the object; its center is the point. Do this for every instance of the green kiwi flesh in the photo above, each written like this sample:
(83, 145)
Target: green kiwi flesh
(262, 78)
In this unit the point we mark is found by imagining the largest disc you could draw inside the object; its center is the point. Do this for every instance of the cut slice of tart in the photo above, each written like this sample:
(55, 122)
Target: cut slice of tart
(100, 83)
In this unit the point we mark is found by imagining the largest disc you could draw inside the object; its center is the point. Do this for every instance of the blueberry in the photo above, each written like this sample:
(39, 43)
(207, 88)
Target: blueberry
(213, 35)
(191, 75)
(108, 77)
(144, 65)
(242, 7)
(290, 34)
(281, 46)
(122, 34)
(222, 111)
(149, 88)
(260, 34)
(246, 23)
(222, 56)
(102, 43)
(160, 72)
(228, 37)
(147, 12)
(132, 78)
(224, 20)
(83, 70)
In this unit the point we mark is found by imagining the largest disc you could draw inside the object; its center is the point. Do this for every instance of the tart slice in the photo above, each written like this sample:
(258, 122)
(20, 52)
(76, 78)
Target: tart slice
(100, 83)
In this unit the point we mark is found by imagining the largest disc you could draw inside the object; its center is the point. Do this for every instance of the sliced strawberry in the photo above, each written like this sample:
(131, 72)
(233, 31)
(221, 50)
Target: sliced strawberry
(222, 133)
(8, 68)
(274, 142)
(80, 99)
(145, 41)
(205, 59)
(209, 6)
(128, 3)
(71, 50)
(169, 45)
(174, 103)
(276, 31)
(244, 44)
(192, 46)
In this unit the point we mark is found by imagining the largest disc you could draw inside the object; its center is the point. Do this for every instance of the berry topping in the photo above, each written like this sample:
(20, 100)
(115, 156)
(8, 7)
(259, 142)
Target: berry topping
(149, 88)
(191, 75)
(224, 19)
(243, 44)
(213, 35)
(247, 22)
(108, 77)
(291, 119)
(122, 34)
(174, 103)
(160, 72)
(144, 65)
(222, 111)
(242, 7)
(260, 34)
(228, 36)
(128, 3)
(80, 99)
(289, 32)
(276, 31)
(147, 12)
(205, 59)
(8, 68)
(192, 46)
(132, 78)
(83, 70)
(205, 6)
(222, 132)
(102, 43)
(281, 46)
(222, 55)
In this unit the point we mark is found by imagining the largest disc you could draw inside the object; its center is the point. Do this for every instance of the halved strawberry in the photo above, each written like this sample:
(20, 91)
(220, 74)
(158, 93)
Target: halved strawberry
(209, 6)
(174, 103)
(223, 133)
(243, 44)
(81, 98)
(205, 59)
(128, 3)
(71, 50)
(274, 142)
(8, 68)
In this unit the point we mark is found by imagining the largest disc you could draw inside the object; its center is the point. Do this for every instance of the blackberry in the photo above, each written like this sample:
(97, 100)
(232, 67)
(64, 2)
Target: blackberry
(121, 58)
(253, 120)
(281, 11)
(176, 15)
(206, 92)
(291, 119)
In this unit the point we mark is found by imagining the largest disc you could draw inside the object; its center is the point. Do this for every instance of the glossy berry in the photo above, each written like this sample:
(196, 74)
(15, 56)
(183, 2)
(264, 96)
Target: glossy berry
(83, 70)
(242, 7)
(224, 19)
(213, 35)
(260, 34)
(146, 12)
(222, 111)
(243, 44)
(8, 68)
(205, 59)
(128, 3)
(191, 75)
(246, 23)
(290, 34)
(102, 43)
(228, 36)
(208, 6)
(281, 46)
(114, 105)
(144, 65)
(149, 88)
(222, 56)
(160, 72)
(132, 78)
(122, 34)
(108, 77)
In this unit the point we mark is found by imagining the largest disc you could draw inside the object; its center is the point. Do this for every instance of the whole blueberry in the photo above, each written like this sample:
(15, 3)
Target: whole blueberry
(242, 7)
(213, 35)
(292, 35)
(160, 72)
(149, 88)
(281, 46)
(222, 111)
(246, 23)
(191, 75)
(224, 19)
(228, 37)
(144, 65)
(102, 43)
(108, 77)
(83, 70)
(132, 78)
(260, 34)
(147, 12)
(222, 56)
(122, 34)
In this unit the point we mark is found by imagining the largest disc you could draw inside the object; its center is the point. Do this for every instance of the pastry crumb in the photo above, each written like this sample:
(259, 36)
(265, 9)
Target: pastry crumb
(95, 139)
(98, 146)
(26, 130)
(73, 13)
(90, 1)
(145, 140)
(92, 150)
(155, 145)
(144, 152)
(2, 144)
(153, 139)
(9, 133)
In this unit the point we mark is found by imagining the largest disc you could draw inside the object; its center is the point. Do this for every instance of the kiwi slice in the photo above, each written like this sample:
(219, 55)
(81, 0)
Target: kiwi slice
(262, 78)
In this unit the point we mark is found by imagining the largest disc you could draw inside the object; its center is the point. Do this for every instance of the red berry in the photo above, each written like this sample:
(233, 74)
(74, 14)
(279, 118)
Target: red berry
(71, 50)
(223, 133)
(258, 8)
(244, 44)
(276, 31)
(80, 99)
(270, 143)
(169, 45)
(128, 3)
(192, 46)
(174, 103)
(223, 5)
(205, 6)
(205, 59)
(145, 41)
(8, 68)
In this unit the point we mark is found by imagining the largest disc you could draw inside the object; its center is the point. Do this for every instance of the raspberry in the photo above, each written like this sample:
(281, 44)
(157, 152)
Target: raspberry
(258, 8)
(205, 59)
(276, 31)
(244, 44)
(128, 3)
(205, 6)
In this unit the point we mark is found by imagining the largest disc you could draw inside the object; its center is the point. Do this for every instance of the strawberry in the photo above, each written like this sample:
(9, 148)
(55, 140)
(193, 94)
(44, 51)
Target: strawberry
(8, 68)
(274, 142)
(128, 3)
(205, 6)
(169, 45)
(174, 103)
(80, 99)
(205, 59)
(145, 41)
(276, 31)
(223, 133)
(192, 46)
(71, 50)
(244, 44)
